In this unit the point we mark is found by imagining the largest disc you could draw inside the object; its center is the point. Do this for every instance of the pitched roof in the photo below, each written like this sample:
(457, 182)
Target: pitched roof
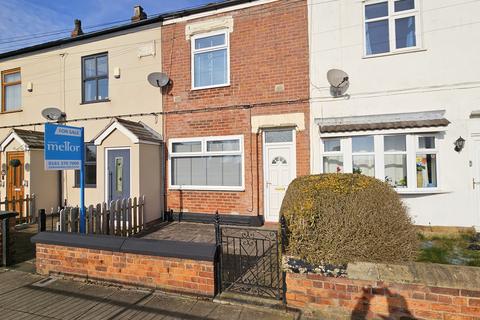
(27, 138)
(383, 122)
(138, 132)
(33, 139)
(141, 130)
(155, 19)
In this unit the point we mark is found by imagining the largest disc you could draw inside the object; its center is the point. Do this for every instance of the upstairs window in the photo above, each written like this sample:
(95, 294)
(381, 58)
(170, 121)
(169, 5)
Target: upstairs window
(390, 26)
(95, 78)
(11, 90)
(210, 60)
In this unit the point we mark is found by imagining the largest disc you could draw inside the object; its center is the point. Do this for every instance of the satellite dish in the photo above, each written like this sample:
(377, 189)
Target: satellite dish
(53, 114)
(158, 79)
(339, 82)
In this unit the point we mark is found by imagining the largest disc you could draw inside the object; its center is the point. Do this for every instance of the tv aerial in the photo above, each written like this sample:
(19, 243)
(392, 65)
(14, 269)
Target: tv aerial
(54, 114)
(339, 82)
(158, 79)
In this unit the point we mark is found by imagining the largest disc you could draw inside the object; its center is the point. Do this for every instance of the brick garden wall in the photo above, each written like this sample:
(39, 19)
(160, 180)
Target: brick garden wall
(169, 274)
(268, 46)
(342, 298)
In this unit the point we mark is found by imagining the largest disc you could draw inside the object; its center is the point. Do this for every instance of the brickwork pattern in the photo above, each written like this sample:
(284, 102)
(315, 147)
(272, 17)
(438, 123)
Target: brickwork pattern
(268, 46)
(344, 299)
(169, 274)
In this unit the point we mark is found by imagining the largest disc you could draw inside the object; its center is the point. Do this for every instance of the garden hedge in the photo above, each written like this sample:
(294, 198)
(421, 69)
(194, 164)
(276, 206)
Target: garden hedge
(341, 218)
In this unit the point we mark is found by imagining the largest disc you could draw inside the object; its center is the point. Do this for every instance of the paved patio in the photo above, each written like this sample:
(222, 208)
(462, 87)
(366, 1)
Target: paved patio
(183, 231)
(27, 296)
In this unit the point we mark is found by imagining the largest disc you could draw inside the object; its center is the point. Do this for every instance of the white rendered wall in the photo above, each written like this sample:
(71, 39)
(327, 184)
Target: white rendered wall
(443, 75)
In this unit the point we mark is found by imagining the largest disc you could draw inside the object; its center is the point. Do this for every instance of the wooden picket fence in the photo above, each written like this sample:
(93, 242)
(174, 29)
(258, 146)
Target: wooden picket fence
(25, 207)
(123, 217)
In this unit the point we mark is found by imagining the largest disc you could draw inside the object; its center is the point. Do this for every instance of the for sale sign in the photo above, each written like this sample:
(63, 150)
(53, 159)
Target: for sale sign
(63, 147)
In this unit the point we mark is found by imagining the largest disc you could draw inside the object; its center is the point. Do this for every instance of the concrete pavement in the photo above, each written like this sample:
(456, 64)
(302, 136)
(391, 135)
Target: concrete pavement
(29, 296)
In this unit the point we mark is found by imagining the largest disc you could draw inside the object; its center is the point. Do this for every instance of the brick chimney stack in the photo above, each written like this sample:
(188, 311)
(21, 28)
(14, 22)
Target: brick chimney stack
(78, 29)
(138, 14)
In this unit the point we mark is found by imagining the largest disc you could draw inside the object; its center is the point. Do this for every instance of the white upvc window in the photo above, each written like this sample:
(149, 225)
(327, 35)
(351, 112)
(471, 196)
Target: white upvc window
(391, 26)
(210, 60)
(408, 162)
(333, 155)
(207, 163)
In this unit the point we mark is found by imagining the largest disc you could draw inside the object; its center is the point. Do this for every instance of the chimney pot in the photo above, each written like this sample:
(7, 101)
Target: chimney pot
(77, 31)
(138, 14)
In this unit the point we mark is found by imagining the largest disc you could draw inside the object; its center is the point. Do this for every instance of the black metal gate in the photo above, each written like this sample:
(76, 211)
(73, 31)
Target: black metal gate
(249, 262)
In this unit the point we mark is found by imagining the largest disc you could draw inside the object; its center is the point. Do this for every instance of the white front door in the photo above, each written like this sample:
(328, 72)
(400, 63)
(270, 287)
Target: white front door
(279, 164)
(475, 184)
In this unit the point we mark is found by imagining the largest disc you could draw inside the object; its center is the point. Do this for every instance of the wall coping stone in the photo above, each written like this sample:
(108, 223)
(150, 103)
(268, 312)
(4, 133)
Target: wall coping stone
(429, 274)
(161, 248)
(7, 214)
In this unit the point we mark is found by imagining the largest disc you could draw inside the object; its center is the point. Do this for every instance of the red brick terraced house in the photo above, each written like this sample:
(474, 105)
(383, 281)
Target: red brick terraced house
(237, 108)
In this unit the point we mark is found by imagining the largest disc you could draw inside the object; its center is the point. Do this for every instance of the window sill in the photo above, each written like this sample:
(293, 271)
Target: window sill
(420, 191)
(211, 87)
(393, 53)
(11, 111)
(86, 187)
(200, 188)
(93, 102)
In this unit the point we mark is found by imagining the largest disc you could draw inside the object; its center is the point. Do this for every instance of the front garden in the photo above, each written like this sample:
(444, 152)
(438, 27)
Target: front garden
(353, 252)
(461, 248)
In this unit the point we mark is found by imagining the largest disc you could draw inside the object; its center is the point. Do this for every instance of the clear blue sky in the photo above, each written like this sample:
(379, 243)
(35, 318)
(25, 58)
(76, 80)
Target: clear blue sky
(22, 21)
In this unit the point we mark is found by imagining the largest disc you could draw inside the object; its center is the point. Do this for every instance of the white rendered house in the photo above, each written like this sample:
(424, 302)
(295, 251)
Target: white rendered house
(414, 90)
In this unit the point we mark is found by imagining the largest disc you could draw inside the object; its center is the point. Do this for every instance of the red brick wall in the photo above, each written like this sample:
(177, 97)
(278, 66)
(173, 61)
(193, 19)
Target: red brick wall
(268, 46)
(170, 274)
(341, 298)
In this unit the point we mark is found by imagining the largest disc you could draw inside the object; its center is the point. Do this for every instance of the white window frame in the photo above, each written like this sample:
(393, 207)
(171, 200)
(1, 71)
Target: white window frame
(209, 49)
(205, 153)
(396, 152)
(392, 16)
(366, 153)
(412, 149)
(341, 153)
(434, 151)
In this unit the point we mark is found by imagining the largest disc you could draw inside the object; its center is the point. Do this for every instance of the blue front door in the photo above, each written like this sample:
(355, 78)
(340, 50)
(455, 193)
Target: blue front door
(118, 174)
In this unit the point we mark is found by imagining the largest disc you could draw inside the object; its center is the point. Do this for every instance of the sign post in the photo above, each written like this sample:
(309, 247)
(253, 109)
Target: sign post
(64, 150)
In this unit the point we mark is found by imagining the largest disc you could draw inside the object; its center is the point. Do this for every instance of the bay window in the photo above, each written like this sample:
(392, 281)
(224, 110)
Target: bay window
(405, 161)
(213, 163)
(391, 25)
